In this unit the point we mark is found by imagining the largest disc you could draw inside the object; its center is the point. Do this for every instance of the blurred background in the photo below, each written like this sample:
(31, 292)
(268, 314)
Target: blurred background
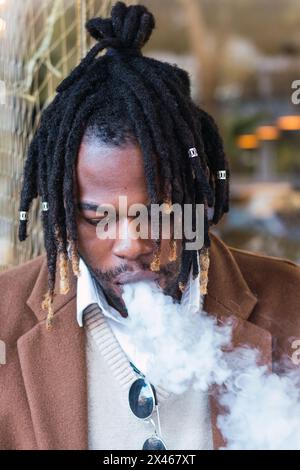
(243, 57)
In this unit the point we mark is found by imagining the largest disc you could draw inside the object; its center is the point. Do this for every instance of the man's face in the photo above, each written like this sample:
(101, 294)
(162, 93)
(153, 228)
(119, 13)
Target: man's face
(103, 173)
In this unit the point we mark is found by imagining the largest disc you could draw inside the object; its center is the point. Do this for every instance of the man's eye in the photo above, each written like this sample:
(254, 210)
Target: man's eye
(93, 221)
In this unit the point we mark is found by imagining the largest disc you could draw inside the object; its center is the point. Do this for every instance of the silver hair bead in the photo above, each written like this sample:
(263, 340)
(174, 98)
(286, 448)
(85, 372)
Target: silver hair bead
(221, 175)
(23, 215)
(45, 206)
(193, 152)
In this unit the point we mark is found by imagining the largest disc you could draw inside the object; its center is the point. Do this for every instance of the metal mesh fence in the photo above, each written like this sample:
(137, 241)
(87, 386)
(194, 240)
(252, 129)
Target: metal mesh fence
(40, 42)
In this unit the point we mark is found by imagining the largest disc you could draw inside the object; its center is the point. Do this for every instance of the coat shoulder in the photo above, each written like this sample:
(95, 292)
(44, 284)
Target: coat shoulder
(16, 279)
(276, 284)
(16, 284)
(256, 265)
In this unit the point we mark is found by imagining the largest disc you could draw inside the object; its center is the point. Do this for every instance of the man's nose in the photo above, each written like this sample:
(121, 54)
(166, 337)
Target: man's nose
(128, 245)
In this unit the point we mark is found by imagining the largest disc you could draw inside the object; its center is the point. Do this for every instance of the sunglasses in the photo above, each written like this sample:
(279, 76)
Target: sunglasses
(143, 403)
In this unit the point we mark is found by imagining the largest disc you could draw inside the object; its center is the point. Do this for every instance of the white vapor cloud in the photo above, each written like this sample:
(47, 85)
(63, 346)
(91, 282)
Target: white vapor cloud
(189, 349)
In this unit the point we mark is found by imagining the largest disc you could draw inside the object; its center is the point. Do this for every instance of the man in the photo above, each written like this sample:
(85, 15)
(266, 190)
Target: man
(123, 124)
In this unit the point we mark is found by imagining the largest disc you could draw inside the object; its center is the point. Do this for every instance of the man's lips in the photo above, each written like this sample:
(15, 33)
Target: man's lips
(136, 276)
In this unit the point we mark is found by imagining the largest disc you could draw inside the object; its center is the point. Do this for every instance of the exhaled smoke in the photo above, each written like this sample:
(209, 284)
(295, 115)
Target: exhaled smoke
(186, 349)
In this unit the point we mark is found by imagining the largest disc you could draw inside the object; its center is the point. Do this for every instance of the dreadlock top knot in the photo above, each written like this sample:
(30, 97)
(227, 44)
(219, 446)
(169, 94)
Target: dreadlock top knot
(123, 34)
(126, 32)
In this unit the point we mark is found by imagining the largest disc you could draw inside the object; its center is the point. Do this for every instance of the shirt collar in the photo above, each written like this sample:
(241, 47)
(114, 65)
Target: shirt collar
(88, 293)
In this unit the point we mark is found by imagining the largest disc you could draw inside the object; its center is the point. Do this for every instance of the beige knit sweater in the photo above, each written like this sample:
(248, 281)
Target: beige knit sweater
(185, 419)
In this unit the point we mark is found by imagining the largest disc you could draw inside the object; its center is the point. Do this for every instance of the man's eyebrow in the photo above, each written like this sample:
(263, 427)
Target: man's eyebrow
(87, 206)
(93, 206)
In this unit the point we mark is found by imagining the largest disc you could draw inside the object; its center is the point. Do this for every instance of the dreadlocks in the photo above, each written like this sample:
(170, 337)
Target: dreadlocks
(122, 97)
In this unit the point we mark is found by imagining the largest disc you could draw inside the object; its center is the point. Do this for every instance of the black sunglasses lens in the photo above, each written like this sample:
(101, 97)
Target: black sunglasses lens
(141, 399)
(154, 443)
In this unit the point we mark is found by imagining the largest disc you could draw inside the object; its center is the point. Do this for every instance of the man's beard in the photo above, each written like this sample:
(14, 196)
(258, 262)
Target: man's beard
(104, 280)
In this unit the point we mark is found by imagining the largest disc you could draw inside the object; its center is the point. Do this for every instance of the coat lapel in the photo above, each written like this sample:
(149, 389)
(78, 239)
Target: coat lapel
(230, 296)
(53, 366)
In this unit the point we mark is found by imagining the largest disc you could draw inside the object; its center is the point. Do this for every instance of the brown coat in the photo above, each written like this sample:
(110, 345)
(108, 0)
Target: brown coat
(43, 396)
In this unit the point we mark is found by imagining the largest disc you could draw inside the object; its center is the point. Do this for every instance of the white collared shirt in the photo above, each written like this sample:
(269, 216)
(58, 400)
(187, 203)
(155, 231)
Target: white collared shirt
(88, 294)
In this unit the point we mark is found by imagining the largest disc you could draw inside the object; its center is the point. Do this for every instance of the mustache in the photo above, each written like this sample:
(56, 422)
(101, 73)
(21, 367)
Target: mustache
(111, 274)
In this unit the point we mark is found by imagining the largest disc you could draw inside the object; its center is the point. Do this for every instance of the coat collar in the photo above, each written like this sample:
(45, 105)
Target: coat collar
(228, 292)
(54, 363)
(35, 298)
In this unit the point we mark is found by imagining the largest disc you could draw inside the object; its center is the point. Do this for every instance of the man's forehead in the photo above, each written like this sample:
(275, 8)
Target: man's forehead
(93, 152)
(104, 172)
